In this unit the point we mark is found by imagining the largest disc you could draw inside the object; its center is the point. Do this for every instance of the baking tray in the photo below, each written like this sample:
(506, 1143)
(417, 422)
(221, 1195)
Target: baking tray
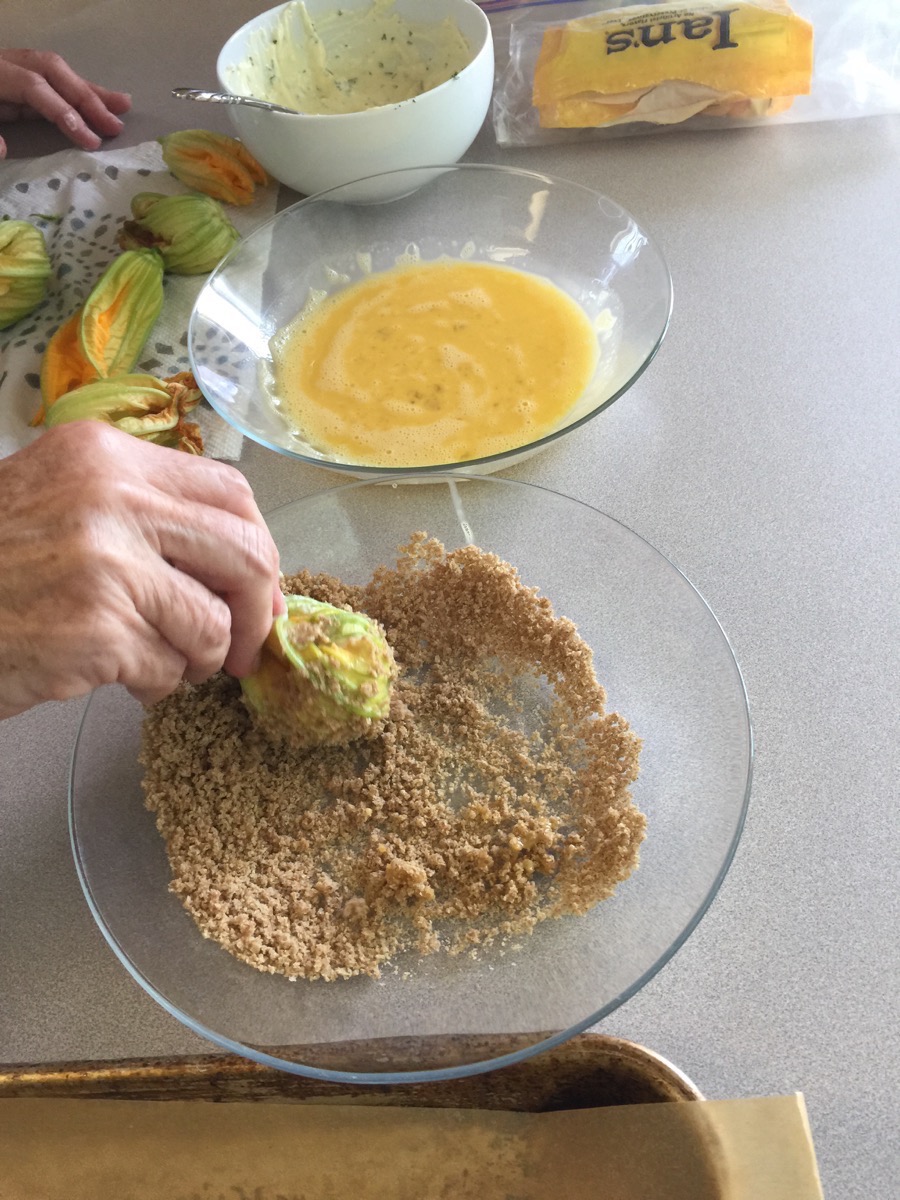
(588, 1071)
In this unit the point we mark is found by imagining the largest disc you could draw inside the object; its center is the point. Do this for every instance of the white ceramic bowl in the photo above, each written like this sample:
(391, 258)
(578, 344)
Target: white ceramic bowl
(311, 152)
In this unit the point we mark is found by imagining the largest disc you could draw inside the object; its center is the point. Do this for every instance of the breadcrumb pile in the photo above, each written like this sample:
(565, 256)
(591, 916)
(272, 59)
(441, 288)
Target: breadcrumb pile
(496, 794)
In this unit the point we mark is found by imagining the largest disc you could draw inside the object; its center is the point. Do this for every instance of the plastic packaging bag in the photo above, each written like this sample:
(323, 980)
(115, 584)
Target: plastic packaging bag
(856, 68)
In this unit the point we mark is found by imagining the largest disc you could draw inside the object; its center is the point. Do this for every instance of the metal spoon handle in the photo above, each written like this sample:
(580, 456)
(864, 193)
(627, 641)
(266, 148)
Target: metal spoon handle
(226, 98)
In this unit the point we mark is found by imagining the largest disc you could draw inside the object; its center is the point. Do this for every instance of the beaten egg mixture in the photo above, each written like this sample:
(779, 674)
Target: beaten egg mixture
(434, 363)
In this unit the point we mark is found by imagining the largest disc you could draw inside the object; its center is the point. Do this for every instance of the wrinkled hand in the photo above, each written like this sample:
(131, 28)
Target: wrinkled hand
(124, 562)
(38, 83)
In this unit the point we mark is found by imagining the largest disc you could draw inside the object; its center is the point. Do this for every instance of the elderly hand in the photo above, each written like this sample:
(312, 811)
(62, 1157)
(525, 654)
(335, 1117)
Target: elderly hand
(38, 83)
(124, 562)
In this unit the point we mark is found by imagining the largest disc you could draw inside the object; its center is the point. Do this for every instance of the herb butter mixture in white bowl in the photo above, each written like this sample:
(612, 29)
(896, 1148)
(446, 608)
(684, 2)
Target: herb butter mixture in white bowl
(379, 85)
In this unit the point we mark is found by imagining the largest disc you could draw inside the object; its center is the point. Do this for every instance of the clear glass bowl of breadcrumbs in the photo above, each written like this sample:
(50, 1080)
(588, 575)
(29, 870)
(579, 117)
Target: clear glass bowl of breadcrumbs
(512, 856)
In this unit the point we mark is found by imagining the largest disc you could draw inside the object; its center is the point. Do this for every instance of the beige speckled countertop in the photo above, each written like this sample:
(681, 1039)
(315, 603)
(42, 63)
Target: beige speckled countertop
(760, 453)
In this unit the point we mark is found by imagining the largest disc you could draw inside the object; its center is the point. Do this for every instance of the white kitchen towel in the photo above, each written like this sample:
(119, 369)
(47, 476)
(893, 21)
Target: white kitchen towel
(79, 200)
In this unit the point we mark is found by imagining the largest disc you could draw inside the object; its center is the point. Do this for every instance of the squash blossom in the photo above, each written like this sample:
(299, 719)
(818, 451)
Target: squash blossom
(24, 270)
(105, 336)
(191, 232)
(213, 163)
(325, 676)
(142, 405)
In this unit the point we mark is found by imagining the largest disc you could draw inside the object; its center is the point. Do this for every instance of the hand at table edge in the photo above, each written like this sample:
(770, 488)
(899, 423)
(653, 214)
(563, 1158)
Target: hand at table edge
(40, 83)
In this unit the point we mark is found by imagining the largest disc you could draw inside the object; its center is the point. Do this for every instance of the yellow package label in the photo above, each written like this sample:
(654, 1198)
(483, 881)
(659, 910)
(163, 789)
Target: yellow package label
(725, 57)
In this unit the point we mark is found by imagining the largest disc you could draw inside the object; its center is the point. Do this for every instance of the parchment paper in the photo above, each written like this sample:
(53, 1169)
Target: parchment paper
(758, 1149)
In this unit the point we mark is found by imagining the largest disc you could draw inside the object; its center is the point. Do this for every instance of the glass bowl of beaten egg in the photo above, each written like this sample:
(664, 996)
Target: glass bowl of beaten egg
(478, 318)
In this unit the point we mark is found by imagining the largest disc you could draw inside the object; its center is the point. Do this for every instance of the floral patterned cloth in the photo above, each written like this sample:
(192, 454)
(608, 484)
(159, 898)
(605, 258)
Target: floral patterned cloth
(79, 200)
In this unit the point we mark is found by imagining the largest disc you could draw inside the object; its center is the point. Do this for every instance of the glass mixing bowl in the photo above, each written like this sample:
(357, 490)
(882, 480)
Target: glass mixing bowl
(667, 668)
(579, 240)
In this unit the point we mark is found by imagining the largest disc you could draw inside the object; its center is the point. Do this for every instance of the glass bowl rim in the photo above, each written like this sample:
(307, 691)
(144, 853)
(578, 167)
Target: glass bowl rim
(436, 468)
(484, 1065)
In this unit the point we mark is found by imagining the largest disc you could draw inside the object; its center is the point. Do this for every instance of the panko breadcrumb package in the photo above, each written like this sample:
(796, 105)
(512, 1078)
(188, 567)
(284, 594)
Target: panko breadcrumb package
(584, 69)
(641, 63)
